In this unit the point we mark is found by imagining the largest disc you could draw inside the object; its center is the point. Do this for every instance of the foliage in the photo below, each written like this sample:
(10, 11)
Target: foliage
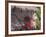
(38, 20)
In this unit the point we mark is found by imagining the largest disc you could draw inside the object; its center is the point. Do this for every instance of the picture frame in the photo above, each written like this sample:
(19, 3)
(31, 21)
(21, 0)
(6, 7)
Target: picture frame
(29, 6)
